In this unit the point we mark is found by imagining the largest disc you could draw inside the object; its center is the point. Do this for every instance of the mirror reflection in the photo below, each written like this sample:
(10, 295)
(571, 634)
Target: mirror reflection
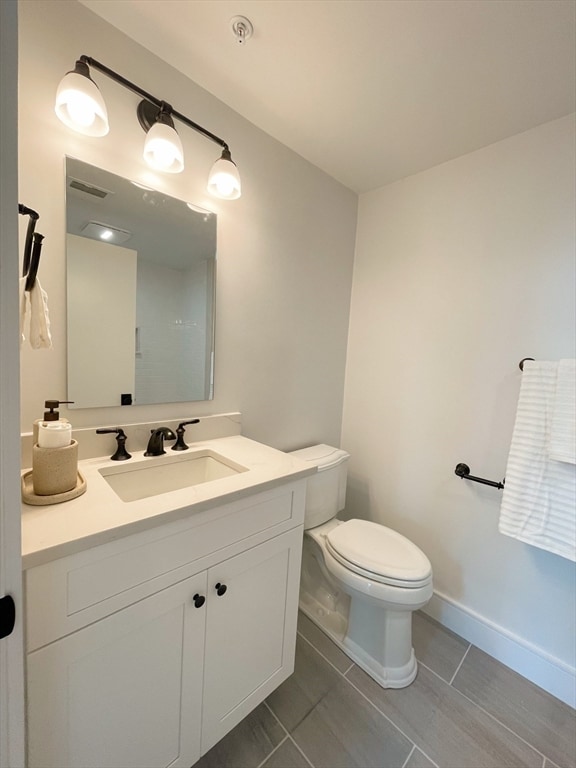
(140, 269)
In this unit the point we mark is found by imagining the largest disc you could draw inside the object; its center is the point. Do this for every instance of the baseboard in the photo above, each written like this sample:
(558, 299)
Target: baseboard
(548, 672)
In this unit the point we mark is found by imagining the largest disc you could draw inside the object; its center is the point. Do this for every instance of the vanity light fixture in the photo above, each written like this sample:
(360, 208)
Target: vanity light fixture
(80, 106)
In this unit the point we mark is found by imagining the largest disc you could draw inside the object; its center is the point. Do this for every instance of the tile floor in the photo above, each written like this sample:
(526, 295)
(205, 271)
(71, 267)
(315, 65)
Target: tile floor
(464, 710)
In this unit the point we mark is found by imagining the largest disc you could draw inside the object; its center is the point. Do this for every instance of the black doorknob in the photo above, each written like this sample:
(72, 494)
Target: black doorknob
(220, 589)
(199, 600)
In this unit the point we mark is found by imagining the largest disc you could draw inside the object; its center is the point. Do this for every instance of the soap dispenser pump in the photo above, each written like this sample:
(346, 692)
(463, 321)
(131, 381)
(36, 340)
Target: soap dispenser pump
(51, 414)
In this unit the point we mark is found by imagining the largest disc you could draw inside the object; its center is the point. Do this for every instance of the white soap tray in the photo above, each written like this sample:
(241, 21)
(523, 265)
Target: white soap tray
(29, 497)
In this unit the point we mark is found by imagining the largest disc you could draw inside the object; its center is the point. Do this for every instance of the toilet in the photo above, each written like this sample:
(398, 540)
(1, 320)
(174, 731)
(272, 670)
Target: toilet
(360, 581)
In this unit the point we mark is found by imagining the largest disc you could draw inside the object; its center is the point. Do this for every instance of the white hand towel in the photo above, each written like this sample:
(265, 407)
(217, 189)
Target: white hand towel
(23, 301)
(539, 498)
(563, 434)
(40, 336)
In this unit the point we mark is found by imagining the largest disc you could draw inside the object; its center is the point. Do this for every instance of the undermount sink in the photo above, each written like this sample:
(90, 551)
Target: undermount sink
(162, 474)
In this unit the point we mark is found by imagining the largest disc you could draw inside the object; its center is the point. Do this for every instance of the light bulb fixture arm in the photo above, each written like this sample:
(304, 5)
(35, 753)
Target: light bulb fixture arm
(161, 105)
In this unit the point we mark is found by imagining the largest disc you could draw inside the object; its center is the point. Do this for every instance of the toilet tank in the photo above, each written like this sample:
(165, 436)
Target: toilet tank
(326, 490)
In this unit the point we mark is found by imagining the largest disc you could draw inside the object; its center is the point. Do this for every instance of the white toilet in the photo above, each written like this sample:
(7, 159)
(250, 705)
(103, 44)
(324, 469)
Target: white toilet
(360, 581)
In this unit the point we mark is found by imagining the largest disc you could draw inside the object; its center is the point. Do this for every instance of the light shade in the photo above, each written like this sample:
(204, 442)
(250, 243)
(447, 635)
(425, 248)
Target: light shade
(224, 179)
(79, 103)
(163, 148)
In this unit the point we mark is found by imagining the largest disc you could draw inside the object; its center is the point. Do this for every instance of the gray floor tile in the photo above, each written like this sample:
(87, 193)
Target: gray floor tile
(539, 718)
(451, 730)
(246, 745)
(286, 756)
(549, 764)
(437, 647)
(322, 643)
(418, 760)
(313, 678)
(346, 731)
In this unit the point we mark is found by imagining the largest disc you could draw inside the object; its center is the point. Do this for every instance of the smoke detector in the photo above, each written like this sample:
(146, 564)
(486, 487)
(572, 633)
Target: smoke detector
(242, 29)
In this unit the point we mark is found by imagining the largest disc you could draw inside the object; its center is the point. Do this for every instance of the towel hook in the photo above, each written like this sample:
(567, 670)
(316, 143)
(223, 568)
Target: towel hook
(521, 363)
(34, 262)
(32, 247)
(24, 210)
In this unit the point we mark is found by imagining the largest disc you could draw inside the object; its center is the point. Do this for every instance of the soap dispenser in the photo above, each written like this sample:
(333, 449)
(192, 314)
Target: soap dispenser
(54, 454)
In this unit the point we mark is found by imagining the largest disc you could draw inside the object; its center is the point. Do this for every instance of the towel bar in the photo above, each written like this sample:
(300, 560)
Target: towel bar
(463, 471)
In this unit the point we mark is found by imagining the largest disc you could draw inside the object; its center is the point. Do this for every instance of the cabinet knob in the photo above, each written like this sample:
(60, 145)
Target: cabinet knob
(199, 600)
(220, 589)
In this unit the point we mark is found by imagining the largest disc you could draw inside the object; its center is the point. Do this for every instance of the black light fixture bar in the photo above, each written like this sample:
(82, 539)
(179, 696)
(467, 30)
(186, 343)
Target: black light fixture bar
(90, 62)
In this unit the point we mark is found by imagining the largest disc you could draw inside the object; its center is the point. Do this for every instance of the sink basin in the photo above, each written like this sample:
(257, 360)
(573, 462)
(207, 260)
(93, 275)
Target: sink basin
(156, 475)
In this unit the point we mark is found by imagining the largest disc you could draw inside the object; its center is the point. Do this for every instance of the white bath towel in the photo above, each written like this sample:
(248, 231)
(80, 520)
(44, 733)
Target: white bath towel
(563, 433)
(40, 336)
(23, 303)
(539, 498)
(34, 303)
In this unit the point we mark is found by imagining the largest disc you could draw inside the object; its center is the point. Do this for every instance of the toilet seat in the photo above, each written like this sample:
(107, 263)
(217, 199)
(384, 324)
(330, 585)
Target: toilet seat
(379, 553)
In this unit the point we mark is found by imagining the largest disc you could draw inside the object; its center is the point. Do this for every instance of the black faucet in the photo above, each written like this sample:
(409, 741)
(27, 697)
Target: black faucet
(156, 442)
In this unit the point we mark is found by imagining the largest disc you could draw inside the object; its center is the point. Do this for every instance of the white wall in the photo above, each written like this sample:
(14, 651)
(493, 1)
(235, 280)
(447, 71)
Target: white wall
(285, 249)
(460, 272)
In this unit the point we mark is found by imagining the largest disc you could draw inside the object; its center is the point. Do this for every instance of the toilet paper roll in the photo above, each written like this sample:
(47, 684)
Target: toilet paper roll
(54, 470)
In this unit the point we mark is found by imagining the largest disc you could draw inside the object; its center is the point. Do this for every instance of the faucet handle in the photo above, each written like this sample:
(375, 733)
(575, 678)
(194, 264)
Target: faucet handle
(121, 452)
(180, 445)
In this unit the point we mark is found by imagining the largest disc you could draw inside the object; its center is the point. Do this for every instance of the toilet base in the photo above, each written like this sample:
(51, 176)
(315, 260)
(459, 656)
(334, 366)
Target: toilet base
(335, 626)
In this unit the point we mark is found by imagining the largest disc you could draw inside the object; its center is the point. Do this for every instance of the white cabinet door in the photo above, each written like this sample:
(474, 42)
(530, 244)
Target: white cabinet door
(250, 631)
(124, 692)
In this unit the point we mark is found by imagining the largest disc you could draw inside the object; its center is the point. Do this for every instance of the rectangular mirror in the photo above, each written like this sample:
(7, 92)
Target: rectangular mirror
(140, 286)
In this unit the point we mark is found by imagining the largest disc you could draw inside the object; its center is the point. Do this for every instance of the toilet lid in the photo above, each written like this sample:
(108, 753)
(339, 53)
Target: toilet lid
(371, 548)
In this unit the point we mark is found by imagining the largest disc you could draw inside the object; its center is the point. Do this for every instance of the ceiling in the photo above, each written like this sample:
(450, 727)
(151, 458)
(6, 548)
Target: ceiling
(371, 91)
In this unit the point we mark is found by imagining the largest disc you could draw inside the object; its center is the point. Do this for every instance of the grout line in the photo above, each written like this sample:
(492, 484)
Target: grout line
(459, 665)
(409, 756)
(414, 748)
(304, 755)
(288, 736)
(275, 716)
(268, 756)
(489, 714)
(326, 659)
(384, 715)
(427, 756)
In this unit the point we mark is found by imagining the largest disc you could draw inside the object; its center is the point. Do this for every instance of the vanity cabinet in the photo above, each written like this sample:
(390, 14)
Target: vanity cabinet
(125, 691)
(148, 650)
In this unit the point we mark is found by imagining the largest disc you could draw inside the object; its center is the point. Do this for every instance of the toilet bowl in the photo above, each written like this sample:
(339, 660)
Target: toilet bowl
(360, 581)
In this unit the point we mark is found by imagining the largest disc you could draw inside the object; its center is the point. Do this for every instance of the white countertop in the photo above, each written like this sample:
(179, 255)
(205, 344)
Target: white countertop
(99, 515)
